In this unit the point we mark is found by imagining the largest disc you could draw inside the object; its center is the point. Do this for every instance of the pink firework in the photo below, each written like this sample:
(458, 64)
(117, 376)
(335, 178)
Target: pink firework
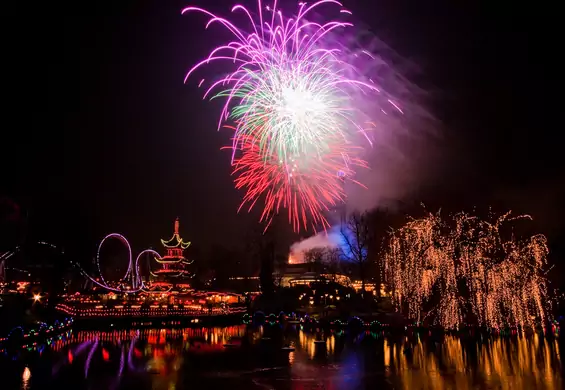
(293, 97)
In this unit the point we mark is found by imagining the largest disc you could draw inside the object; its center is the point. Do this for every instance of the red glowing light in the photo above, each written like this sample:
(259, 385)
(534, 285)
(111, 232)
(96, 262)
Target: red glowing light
(307, 192)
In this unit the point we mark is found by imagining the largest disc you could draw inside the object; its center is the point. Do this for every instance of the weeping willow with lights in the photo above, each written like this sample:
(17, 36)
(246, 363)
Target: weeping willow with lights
(464, 269)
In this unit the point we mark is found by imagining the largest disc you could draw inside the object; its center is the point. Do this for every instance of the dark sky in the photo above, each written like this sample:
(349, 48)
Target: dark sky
(101, 134)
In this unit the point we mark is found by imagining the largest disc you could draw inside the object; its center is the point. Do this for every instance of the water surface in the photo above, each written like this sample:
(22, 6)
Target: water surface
(243, 358)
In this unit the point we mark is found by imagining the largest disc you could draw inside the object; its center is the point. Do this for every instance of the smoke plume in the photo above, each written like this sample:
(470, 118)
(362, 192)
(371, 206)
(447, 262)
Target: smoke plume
(330, 239)
(405, 148)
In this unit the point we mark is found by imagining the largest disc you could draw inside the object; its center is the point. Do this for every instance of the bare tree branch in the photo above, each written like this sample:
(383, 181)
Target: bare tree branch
(356, 235)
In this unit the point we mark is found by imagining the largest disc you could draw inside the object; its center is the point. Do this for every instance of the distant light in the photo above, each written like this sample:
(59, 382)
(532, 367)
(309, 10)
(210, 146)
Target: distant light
(37, 298)
(26, 375)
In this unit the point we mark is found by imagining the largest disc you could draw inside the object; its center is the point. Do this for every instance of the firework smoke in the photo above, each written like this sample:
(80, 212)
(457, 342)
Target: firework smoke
(302, 106)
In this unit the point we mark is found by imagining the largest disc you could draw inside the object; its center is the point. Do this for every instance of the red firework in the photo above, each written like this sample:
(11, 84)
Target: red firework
(307, 186)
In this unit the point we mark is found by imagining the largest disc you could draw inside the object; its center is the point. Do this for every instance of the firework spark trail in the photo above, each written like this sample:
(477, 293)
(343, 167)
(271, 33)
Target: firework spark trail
(305, 196)
(431, 258)
(291, 92)
(286, 86)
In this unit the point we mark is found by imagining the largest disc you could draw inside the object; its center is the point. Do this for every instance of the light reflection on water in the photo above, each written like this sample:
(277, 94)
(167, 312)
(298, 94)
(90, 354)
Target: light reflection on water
(518, 363)
(239, 358)
(25, 378)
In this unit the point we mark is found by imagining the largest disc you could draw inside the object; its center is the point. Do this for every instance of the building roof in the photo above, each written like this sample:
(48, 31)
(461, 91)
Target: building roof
(175, 241)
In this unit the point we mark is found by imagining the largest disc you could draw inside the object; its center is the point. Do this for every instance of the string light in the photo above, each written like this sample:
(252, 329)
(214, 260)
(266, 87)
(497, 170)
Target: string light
(439, 269)
(168, 289)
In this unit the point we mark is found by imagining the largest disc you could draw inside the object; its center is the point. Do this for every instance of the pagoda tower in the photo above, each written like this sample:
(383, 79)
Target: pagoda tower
(172, 271)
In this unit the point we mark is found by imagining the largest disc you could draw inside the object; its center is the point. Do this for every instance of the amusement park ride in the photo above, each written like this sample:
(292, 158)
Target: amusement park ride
(169, 273)
(162, 290)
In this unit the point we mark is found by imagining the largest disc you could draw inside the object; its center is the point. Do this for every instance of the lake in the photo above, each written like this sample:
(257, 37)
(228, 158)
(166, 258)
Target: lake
(239, 357)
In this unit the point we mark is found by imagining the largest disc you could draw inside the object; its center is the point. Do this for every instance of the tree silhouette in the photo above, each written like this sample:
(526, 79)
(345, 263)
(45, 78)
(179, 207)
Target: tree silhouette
(356, 236)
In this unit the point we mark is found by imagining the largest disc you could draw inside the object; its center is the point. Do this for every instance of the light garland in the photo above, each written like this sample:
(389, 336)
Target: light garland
(136, 311)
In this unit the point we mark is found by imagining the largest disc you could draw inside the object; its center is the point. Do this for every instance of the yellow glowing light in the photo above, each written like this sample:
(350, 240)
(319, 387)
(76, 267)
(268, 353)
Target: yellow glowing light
(503, 272)
(37, 298)
(26, 375)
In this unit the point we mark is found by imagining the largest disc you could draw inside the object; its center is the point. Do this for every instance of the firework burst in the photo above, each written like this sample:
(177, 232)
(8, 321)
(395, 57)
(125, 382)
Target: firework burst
(286, 90)
(307, 186)
(293, 97)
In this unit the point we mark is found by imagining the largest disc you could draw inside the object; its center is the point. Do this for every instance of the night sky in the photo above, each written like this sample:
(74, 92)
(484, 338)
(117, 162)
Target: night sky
(101, 134)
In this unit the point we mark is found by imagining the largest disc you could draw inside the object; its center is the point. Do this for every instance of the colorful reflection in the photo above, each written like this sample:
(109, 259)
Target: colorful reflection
(498, 363)
(26, 376)
(158, 352)
(278, 357)
(414, 363)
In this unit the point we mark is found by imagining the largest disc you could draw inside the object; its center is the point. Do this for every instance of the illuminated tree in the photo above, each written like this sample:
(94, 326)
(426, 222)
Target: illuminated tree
(463, 268)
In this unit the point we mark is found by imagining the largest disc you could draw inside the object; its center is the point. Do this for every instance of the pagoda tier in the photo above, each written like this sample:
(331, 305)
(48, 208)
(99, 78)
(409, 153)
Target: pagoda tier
(173, 269)
(175, 245)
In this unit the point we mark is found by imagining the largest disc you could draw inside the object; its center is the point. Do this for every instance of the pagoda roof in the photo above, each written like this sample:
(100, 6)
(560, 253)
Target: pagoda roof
(173, 260)
(175, 241)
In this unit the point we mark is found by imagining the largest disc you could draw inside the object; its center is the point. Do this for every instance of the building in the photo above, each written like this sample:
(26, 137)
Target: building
(166, 292)
(172, 271)
(296, 273)
(305, 273)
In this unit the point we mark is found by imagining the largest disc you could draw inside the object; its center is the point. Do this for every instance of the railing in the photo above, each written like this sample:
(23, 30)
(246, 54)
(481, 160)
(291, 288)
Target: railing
(136, 311)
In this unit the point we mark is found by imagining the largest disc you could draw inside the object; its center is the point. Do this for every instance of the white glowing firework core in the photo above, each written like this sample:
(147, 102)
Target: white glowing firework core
(301, 111)
(301, 107)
